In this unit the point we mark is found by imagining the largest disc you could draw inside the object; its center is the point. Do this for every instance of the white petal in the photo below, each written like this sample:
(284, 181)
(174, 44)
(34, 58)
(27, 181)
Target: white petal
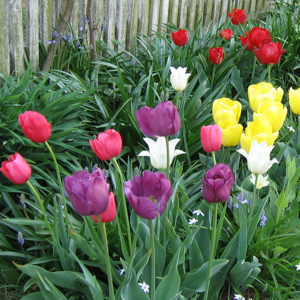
(144, 153)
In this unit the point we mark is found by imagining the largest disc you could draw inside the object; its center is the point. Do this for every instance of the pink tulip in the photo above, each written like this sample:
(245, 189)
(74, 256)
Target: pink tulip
(110, 212)
(211, 138)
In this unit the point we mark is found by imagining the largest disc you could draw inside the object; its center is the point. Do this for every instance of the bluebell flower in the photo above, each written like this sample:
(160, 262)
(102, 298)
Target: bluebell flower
(263, 219)
(20, 238)
(80, 28)
(86, 21)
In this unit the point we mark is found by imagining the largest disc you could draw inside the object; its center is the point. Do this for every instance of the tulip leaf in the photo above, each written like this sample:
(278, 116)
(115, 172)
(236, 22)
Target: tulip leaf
(33, 296)
(195, 280)
(236, 80)
(281, 201)
(168, 288)
(175, 242)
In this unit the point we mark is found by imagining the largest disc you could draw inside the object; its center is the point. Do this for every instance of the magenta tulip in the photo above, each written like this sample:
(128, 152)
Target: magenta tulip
(88, 192)
(217, 183)
(211, 138)
(16, 169)
(163, 120)
(35, 126)
(107, 145)
(149, 194)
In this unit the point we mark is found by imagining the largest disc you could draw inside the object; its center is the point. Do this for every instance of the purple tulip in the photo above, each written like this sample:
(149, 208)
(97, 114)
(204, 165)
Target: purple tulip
(88, 192)
(163, 120)
(217, 183)
(149, 194)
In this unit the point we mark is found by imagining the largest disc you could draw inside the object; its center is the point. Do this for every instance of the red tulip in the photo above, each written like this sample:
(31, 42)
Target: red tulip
(237, 16)
(107, 145)
(110, 212)
(227, 34)
(35, 126)
(16, 169)
(211, 138)
(258, 36)
(269, 54)
(245, 41)
(216, 55)
(180, 37)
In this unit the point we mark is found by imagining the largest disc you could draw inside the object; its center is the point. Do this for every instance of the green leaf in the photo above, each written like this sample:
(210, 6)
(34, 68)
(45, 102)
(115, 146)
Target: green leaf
(281, 201)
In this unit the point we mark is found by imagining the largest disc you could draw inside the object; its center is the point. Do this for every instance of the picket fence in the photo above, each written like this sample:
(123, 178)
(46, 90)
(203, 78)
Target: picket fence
(24, 23)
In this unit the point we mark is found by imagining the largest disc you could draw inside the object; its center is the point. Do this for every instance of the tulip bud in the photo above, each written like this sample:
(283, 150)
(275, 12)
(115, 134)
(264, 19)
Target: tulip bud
(237, 16)
(217, 183)
(88, 192)
(216, 55)
(180, 37)
(227, 34)
(109, 214)
(211, 138)
(179, 78)
(294, 100)
(16, 169)
(35, 126)
(107, 145)
(259, 36)
(269, 54)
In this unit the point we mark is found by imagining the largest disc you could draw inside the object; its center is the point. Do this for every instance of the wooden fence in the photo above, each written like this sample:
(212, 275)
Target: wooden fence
(24, 22)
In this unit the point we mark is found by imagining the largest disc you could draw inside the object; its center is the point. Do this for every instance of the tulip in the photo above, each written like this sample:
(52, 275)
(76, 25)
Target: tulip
(245, 41)
(109, 214)
(179, 78)
(107, 145)
(163, 120)
(180, 37)
(217, 183)
(261, 92)
(259, 131)
(16, 169)
(259, 36)
(148, 194)
(262, 181)
(216, 55)
(237, 16)
(272, 112)
(269, 54)
(258, 158)
(211, 138)
(227, 34)
(226, 108)
(88, 192)
(158, 152)
(231, 132)
(294, 100)
(35, 126)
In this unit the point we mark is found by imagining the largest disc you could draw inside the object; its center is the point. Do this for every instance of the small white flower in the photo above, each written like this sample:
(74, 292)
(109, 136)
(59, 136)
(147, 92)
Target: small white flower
(158, 151)
(297, 267)
(144, 286)
(291, 128)
(198, 212)
(238, 297)
(262, 181)
(179, 78)
(193, 221)
(258, 157)
(121, 272)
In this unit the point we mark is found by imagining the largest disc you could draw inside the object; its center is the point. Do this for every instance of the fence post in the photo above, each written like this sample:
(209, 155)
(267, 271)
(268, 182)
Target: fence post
(4, 39)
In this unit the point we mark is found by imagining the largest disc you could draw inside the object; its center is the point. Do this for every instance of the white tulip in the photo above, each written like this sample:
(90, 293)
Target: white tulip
(262, 181)
(258, 157)
(179, 78)
(158, 151)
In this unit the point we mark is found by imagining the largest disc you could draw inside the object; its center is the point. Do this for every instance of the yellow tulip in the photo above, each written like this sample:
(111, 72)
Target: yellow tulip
(294, 100)
(231, 132)
(226, 108)
(261, 92)
(259, 131)
(272, 112)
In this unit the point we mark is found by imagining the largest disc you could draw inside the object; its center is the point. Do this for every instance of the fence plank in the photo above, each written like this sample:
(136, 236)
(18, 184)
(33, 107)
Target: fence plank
(111, 22)
(144, 16)
(164, 13)
(154, 13)
(183, 14)
(32, 32)
(4, 39)
(16, 35)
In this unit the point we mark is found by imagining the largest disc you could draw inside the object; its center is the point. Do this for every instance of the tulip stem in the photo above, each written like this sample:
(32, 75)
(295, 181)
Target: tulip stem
(59, 183)
(269, 73)
(152, 261)
(42, 207)
(123, 203)
(107, 258)
(212, 78)
(214, 157)
(213, 248)
(253, 68)
(168, 156)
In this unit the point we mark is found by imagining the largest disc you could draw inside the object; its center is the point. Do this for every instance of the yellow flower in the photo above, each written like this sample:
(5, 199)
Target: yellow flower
(226, 108)
(231, 132)
(272, 112)
(259, 131)
(294, 100)
(263, 91)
